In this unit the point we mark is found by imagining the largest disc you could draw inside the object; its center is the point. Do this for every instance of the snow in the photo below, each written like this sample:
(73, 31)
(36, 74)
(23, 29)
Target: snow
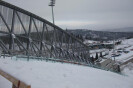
(127, 45)
(42, 74)
(4, 83)
(89, 41)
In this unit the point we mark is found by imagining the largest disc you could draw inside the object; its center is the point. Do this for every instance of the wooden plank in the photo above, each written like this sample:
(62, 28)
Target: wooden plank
(13, 86)
(14, 80)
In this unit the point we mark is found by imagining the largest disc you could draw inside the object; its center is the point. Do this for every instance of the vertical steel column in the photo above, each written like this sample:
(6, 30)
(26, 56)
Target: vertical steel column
(28, 40)
(11, 45)
(42, 40)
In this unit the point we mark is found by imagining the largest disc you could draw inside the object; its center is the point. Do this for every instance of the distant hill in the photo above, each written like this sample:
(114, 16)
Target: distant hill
(126, 29)
(100, 35)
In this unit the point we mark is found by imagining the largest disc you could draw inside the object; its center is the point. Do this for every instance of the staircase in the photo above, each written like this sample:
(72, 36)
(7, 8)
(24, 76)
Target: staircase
(108, 64)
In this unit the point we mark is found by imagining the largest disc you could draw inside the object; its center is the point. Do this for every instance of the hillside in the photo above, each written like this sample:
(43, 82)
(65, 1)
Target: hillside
(126, 29)
(100, 35)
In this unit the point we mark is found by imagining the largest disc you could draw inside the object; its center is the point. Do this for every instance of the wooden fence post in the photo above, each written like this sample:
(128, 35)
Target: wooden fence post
(15, 82)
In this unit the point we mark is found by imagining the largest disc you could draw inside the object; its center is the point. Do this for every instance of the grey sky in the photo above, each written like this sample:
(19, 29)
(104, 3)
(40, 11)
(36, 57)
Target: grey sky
(85, 14)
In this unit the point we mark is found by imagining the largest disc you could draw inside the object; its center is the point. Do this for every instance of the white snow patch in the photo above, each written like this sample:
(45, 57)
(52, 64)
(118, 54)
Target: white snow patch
(41, 74)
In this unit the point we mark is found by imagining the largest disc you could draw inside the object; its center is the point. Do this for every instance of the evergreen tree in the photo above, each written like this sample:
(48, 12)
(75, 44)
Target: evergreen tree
(92, 59)
(101, 54)
(96, 56)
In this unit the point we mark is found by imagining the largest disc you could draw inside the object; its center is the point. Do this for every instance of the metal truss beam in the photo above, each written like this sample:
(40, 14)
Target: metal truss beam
(36, 36)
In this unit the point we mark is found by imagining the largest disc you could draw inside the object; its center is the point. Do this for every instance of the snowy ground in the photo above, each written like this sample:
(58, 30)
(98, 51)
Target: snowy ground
(126, 45)
(42, 74)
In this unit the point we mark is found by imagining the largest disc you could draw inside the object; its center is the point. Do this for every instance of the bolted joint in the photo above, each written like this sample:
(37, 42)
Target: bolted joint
(43, 42)
(30, 40)
(53, 46)
(13, 35)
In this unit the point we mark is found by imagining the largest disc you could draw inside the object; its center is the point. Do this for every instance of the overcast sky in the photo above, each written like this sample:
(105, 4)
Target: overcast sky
(83, 14)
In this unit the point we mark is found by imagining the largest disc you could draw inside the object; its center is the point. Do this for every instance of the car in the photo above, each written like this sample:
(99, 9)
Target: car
(131, 49)
(116, 54)
(126, 51)
(120, 51)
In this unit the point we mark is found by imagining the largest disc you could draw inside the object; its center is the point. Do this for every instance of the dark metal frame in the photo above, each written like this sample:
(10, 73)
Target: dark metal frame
(32, 35)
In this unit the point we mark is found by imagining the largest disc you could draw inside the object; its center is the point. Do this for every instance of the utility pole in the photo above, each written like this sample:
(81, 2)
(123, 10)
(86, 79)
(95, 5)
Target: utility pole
(52, 4)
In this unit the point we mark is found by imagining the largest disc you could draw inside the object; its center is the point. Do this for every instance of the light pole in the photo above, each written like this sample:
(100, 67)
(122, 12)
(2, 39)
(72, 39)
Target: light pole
(114, 45)
(52, 4)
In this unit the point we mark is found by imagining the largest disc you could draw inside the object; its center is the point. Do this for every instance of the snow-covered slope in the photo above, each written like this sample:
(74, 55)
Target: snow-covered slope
(41, 74)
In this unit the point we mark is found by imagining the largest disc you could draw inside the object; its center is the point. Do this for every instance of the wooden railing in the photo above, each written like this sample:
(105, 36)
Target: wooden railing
(15, 82)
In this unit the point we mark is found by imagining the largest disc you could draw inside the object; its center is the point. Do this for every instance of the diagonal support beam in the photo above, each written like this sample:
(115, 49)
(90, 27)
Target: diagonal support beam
(4, 22)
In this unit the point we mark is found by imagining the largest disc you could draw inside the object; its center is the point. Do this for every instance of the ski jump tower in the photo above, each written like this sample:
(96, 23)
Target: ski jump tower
(27, 35)
(24, 33)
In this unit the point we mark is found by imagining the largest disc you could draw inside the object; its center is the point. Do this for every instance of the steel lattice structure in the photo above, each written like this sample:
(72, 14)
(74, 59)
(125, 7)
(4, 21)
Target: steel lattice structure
(23, 33)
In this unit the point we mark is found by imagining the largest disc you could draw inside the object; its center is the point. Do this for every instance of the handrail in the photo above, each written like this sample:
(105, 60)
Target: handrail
(15, 82)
